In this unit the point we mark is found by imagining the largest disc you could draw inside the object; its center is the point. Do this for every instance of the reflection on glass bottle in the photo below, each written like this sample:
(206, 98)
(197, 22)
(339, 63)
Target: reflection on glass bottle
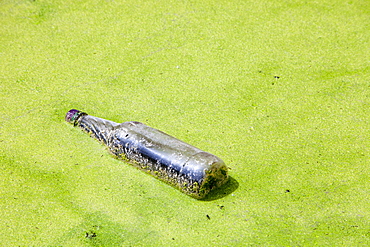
(185, 167)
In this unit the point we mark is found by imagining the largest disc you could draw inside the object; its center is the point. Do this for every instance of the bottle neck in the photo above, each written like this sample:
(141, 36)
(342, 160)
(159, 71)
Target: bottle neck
(98, 128)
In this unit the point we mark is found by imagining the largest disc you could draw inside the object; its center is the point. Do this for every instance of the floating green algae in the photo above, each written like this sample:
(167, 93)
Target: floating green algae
(279, 90)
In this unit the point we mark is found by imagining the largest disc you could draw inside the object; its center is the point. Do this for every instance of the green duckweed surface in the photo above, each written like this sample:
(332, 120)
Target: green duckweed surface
(280, 90)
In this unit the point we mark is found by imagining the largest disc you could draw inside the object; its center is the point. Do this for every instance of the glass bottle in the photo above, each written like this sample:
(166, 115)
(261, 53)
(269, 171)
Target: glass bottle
(179, 164)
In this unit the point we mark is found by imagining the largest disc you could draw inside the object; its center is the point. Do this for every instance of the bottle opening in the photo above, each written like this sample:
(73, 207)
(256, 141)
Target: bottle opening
(72, 115)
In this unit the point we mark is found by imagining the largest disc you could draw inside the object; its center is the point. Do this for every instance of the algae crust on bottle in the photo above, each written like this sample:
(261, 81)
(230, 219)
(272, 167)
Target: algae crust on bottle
(191, 170)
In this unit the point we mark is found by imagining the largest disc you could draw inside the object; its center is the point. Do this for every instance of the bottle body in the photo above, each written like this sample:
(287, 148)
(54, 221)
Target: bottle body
(182, 165)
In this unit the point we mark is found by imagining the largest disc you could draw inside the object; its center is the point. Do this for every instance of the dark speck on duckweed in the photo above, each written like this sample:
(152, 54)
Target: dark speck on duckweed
(90, 235)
